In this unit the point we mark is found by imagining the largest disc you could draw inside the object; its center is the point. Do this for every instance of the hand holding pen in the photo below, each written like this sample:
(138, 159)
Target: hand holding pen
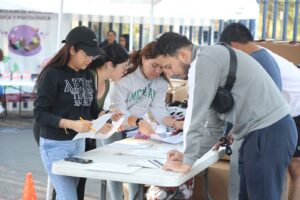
(104, 129)
(87, 124)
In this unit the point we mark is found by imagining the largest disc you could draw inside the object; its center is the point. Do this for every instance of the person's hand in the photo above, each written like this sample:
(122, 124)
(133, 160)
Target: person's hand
(178, 124)
(174, 155)
(229, 139)
(146, 128)
(80, 125)
(121, 128)
(116, 115)
(105, 128)
(177, 166)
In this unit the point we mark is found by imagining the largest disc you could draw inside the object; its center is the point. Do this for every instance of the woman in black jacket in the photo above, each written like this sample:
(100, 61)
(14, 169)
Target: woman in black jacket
(66, 93)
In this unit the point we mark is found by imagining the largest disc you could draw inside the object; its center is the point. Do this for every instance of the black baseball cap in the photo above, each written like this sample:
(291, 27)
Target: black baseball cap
(85, 39)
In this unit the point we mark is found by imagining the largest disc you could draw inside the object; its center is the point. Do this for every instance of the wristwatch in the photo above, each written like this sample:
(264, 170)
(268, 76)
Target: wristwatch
(137, 121)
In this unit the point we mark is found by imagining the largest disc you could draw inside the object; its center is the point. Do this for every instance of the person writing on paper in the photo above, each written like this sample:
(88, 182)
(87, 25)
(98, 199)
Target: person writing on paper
(110, 65)
(66, 92)
(142, 90)
(259, 114)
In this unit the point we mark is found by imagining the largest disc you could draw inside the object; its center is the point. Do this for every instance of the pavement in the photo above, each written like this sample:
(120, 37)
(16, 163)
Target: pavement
(19, 154)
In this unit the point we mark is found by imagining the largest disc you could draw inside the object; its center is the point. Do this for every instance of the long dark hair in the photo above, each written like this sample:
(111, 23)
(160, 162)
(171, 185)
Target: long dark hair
(60, 59)
(114, 53)
(147, 52)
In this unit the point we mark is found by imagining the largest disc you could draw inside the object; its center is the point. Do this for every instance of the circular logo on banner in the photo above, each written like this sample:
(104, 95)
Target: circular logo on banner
(24, 40)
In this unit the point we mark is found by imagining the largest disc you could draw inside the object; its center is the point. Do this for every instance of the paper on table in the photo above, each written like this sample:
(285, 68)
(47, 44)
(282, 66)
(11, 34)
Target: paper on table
(155, 164)
(136, 144)
(97, 124)
(166, 149)
(148, 153)
(109, 167)
(171, 139)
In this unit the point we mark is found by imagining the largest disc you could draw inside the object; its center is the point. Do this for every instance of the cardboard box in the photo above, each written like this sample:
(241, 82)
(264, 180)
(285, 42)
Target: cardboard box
(284, 49)
(178, 91)
(218, 177)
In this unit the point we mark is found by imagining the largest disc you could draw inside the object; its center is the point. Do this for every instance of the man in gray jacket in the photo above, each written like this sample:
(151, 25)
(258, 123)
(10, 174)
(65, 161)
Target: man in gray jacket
(259, 115)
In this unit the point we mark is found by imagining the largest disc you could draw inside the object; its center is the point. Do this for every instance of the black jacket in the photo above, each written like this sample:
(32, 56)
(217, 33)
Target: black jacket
(64, 93)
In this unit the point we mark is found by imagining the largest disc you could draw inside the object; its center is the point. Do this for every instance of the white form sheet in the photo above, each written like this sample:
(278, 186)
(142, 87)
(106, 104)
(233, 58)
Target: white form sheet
(110, 167)
(97, 125)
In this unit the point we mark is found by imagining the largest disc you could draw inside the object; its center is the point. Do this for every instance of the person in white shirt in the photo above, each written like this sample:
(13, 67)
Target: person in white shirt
(289, 75)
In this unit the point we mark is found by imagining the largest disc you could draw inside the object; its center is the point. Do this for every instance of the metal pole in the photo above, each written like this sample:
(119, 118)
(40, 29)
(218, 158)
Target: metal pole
(131, 34)
(296, 20)
(265, 11)
(141, 36)
(103, 190)
(275, 18)
(200, 35)
(221, 27)
(151, 25)
(60, 13)
(285, 18)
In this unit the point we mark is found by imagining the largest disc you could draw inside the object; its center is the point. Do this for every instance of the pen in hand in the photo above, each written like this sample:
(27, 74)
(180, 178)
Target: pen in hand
(91, 127)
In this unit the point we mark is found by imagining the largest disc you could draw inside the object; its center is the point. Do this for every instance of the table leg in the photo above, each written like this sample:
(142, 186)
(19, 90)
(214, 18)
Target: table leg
(103, 190)
(20, 101)
(5, 101)
(207, 194)
(141, 192)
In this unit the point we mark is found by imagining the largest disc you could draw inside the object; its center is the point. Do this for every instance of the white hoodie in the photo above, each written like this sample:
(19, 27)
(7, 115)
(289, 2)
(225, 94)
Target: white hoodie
(135, 95)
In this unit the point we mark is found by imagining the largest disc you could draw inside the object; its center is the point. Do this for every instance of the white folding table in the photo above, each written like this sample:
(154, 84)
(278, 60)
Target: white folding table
(15, 83)
(119, 155)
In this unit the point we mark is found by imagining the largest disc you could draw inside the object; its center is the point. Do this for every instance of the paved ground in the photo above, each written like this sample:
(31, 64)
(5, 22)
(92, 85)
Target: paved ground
(19, 155)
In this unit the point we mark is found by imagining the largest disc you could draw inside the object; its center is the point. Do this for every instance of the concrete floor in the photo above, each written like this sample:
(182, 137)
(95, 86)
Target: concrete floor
(19, 154)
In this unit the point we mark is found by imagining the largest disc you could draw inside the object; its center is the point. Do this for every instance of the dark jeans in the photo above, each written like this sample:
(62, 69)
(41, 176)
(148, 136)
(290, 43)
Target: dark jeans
(264, 158)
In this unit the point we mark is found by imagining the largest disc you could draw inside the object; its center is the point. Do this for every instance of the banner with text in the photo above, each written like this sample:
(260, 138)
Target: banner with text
(28, 40)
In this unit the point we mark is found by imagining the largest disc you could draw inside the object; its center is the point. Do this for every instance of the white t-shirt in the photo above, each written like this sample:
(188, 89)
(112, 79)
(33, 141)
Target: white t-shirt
(290, 76)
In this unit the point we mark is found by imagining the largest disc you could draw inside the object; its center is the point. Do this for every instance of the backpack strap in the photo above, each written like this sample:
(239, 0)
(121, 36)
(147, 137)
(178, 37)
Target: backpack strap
(231, 77)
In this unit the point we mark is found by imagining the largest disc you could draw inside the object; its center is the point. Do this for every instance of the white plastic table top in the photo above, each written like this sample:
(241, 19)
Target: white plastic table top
(21, 82)
(109, 154)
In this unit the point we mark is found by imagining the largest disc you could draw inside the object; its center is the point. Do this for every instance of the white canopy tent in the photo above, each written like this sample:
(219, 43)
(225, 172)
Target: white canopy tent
(195, 12)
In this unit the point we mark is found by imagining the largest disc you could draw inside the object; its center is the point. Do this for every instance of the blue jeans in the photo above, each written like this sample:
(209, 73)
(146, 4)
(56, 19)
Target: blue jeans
(115, 188)
(54, 150)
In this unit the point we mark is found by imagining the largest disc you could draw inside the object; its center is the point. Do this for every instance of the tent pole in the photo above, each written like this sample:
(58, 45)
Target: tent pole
(60, 13)
(131, 34)
(151, 22)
